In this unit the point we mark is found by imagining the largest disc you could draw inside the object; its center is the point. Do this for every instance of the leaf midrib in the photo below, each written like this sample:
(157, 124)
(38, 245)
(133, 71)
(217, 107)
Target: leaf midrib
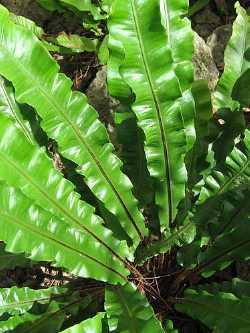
(229, 181)
(130, 315)
(235, 176)
(190, 300)
(222, 254)
(77, 132)
(20, 303)
(97, 162)
(61, 208)
(12, 108)
(163, 245)
(51, 314)
(158, 110)
(29, 228)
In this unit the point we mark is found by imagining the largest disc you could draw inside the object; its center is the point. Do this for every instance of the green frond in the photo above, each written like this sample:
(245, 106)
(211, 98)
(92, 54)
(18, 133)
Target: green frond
(92, 325)
(129, 311)
(67, 118)
(222, 312)
(163, 107)
(236, 62)
(234, 172)
(43, 237)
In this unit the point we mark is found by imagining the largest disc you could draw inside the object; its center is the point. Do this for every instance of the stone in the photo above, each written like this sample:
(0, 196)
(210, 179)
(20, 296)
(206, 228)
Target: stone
(205, 22)
(99, 98)
(243, 270)
(217, 42)
(205, 67)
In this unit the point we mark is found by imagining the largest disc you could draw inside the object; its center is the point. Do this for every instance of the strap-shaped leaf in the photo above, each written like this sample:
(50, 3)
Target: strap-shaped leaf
(48, 318)
(68, 119)
(236, 60)
(233, 127)
(222, 313)
(183, 234)
(19, 300)
(182, 49)
(196, 160)
(117, 87)
(92, 325)
(28, 228)
(12, 323)
(225, 212)
(238, 287)
(236, 171)
(148, 69)
(241, 88)
(129, 311)
(51, 321)
(129, 135)
(27, 24)
(10, 108)
(179, 39)
(233, 245)
(28, 167)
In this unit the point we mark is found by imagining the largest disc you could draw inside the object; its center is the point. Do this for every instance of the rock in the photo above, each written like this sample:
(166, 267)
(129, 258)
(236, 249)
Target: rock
(217, 42)
(205, 22)
(98, 96)
(16, 6)
(29, 9)
(243, 270)
(205, 67)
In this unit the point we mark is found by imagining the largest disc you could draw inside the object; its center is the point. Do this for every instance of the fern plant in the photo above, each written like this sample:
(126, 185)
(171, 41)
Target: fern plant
(143, 237)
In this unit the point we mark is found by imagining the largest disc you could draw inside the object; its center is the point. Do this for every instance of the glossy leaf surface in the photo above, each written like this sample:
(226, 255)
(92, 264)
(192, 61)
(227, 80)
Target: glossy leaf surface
(238, 287)
(19, 300)
(178, 237)
(45, 238)
(10, 108)
(148, 68)
(129, 311)
(196, 159)
(222, 312)
(236, 62)
(241, 89)
(51, 321)
(38, 179)
(230, 246)
(236, 171)
(92, 325)
(27, 24)
(226, 211)
(67, 118)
